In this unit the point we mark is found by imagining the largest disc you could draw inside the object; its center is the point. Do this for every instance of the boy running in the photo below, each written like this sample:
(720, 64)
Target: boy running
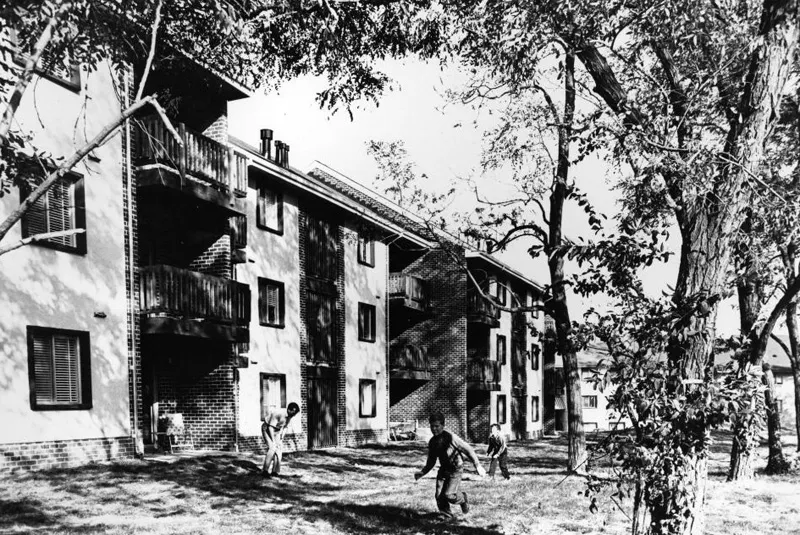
(448, 449)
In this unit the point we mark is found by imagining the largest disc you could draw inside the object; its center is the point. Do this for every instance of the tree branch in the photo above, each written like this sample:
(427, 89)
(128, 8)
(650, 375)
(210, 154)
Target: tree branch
(151, 54)
(73, 160)
(40, 237)
(26, 75)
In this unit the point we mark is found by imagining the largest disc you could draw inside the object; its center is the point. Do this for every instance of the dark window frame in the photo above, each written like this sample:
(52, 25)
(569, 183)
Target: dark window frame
(589, 402)
(84, 357)
(535, 408)
(368, 259)
(45, 68)
(501, 292)
(501, 403)
(263, 282)
(502, 356)
(374, 384)
(261, 187)
(266, 376)
(535, 352)
(364, 334)
(79, 194)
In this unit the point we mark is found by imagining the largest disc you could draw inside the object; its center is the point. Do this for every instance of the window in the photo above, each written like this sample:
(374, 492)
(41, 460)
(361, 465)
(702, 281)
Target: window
(500, 292)
(535, 408)
(778, 379)
(60, 208)
(501, 409)
(589, 402)
(366, 322)
(501, 349)
(269, 210)
(58, 369)
(321, 310)
(367, 398)
(56, 67)
(366, 250)
(273, 392)
(321, 249)
(535, 304)
(535, 350)
(271, 302)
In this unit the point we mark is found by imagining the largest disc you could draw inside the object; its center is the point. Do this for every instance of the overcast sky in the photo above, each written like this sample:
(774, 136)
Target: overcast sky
(417, 113)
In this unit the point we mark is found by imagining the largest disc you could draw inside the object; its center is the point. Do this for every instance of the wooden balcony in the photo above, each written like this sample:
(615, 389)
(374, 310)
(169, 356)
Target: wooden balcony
(409, 362)
(481, 311)
(186, 303)
(408, 291)
(201, 167)
(483, 374)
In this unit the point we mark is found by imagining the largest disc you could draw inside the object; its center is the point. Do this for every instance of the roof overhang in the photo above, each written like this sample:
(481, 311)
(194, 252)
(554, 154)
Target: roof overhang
(312, 186)
(503, 268)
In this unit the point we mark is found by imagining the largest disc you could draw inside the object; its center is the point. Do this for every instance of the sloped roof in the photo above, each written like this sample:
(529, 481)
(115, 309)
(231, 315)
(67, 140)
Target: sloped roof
(774, 355)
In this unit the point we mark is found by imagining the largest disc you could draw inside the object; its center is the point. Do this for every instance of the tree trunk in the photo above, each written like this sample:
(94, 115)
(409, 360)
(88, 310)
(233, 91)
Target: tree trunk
(794, 346)
(745, 432)
(776, 463)
(577, 440)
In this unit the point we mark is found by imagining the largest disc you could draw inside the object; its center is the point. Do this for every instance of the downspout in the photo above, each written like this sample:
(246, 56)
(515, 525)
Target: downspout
(138, 445)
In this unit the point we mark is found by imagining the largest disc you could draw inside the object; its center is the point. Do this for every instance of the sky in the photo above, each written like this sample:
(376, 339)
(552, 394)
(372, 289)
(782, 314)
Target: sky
(417, 113)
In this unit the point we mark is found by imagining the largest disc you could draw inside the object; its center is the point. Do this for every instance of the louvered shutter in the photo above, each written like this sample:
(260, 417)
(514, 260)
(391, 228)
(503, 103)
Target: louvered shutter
(66, 369)
(362, 321)
(36, 217)
(272, 303)
(268, 208)
(61, 211)
(43, 368)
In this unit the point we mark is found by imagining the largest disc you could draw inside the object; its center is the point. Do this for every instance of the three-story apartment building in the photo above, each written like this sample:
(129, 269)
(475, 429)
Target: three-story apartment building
(214, 282)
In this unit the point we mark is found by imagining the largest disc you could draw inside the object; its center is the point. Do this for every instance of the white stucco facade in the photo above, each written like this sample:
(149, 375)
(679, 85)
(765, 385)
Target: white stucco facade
(45, 287)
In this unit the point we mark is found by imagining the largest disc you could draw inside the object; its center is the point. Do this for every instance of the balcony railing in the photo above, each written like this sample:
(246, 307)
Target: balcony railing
(408, 287)
(176, 292)
(199, 157)
(483, 371)
(408, 357)
(480, 309)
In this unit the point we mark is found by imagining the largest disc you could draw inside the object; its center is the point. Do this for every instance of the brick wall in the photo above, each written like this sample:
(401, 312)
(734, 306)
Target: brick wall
(195, 378)
(444, 335)
(216, 260)
(62, 453)
(218, 129)
(479, 408)
(130, 215)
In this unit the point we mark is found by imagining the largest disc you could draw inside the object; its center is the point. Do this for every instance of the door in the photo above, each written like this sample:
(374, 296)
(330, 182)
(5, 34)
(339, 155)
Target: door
(321, 412)
(518, 417)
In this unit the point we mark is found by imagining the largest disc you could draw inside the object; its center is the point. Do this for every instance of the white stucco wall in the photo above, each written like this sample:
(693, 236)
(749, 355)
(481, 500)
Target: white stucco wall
(535, 377)
(272, 350)
(505, 370)
(49, 288)
(364, 360)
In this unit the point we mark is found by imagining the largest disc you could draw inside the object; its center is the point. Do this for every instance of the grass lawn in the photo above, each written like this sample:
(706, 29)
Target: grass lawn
(365, 490)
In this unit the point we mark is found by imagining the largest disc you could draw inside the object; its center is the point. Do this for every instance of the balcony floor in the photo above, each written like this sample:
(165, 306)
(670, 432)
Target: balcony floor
(159, 176)
(194, 328)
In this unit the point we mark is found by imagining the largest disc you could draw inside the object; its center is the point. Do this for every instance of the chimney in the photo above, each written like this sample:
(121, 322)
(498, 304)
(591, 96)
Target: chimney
(286, 155)
(266, 143)
(279, 152)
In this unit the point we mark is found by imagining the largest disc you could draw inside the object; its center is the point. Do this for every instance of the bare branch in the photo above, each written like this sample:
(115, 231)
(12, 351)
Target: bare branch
(40, 237)
(69, 163)
(151, 54)
(26, 75)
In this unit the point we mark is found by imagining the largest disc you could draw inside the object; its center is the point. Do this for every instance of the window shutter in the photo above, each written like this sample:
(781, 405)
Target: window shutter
(43, 368)
(66, 365)
(272, 303)
(362, 321)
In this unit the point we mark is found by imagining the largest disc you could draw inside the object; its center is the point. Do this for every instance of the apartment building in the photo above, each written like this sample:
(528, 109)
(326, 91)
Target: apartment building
(215, 282)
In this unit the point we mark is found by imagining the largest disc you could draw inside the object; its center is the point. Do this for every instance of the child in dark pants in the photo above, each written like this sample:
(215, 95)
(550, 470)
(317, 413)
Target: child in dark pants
(498, 452)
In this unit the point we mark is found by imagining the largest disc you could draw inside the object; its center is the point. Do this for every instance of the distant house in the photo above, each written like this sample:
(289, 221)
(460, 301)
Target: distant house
(596, 414)
(776, 357)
